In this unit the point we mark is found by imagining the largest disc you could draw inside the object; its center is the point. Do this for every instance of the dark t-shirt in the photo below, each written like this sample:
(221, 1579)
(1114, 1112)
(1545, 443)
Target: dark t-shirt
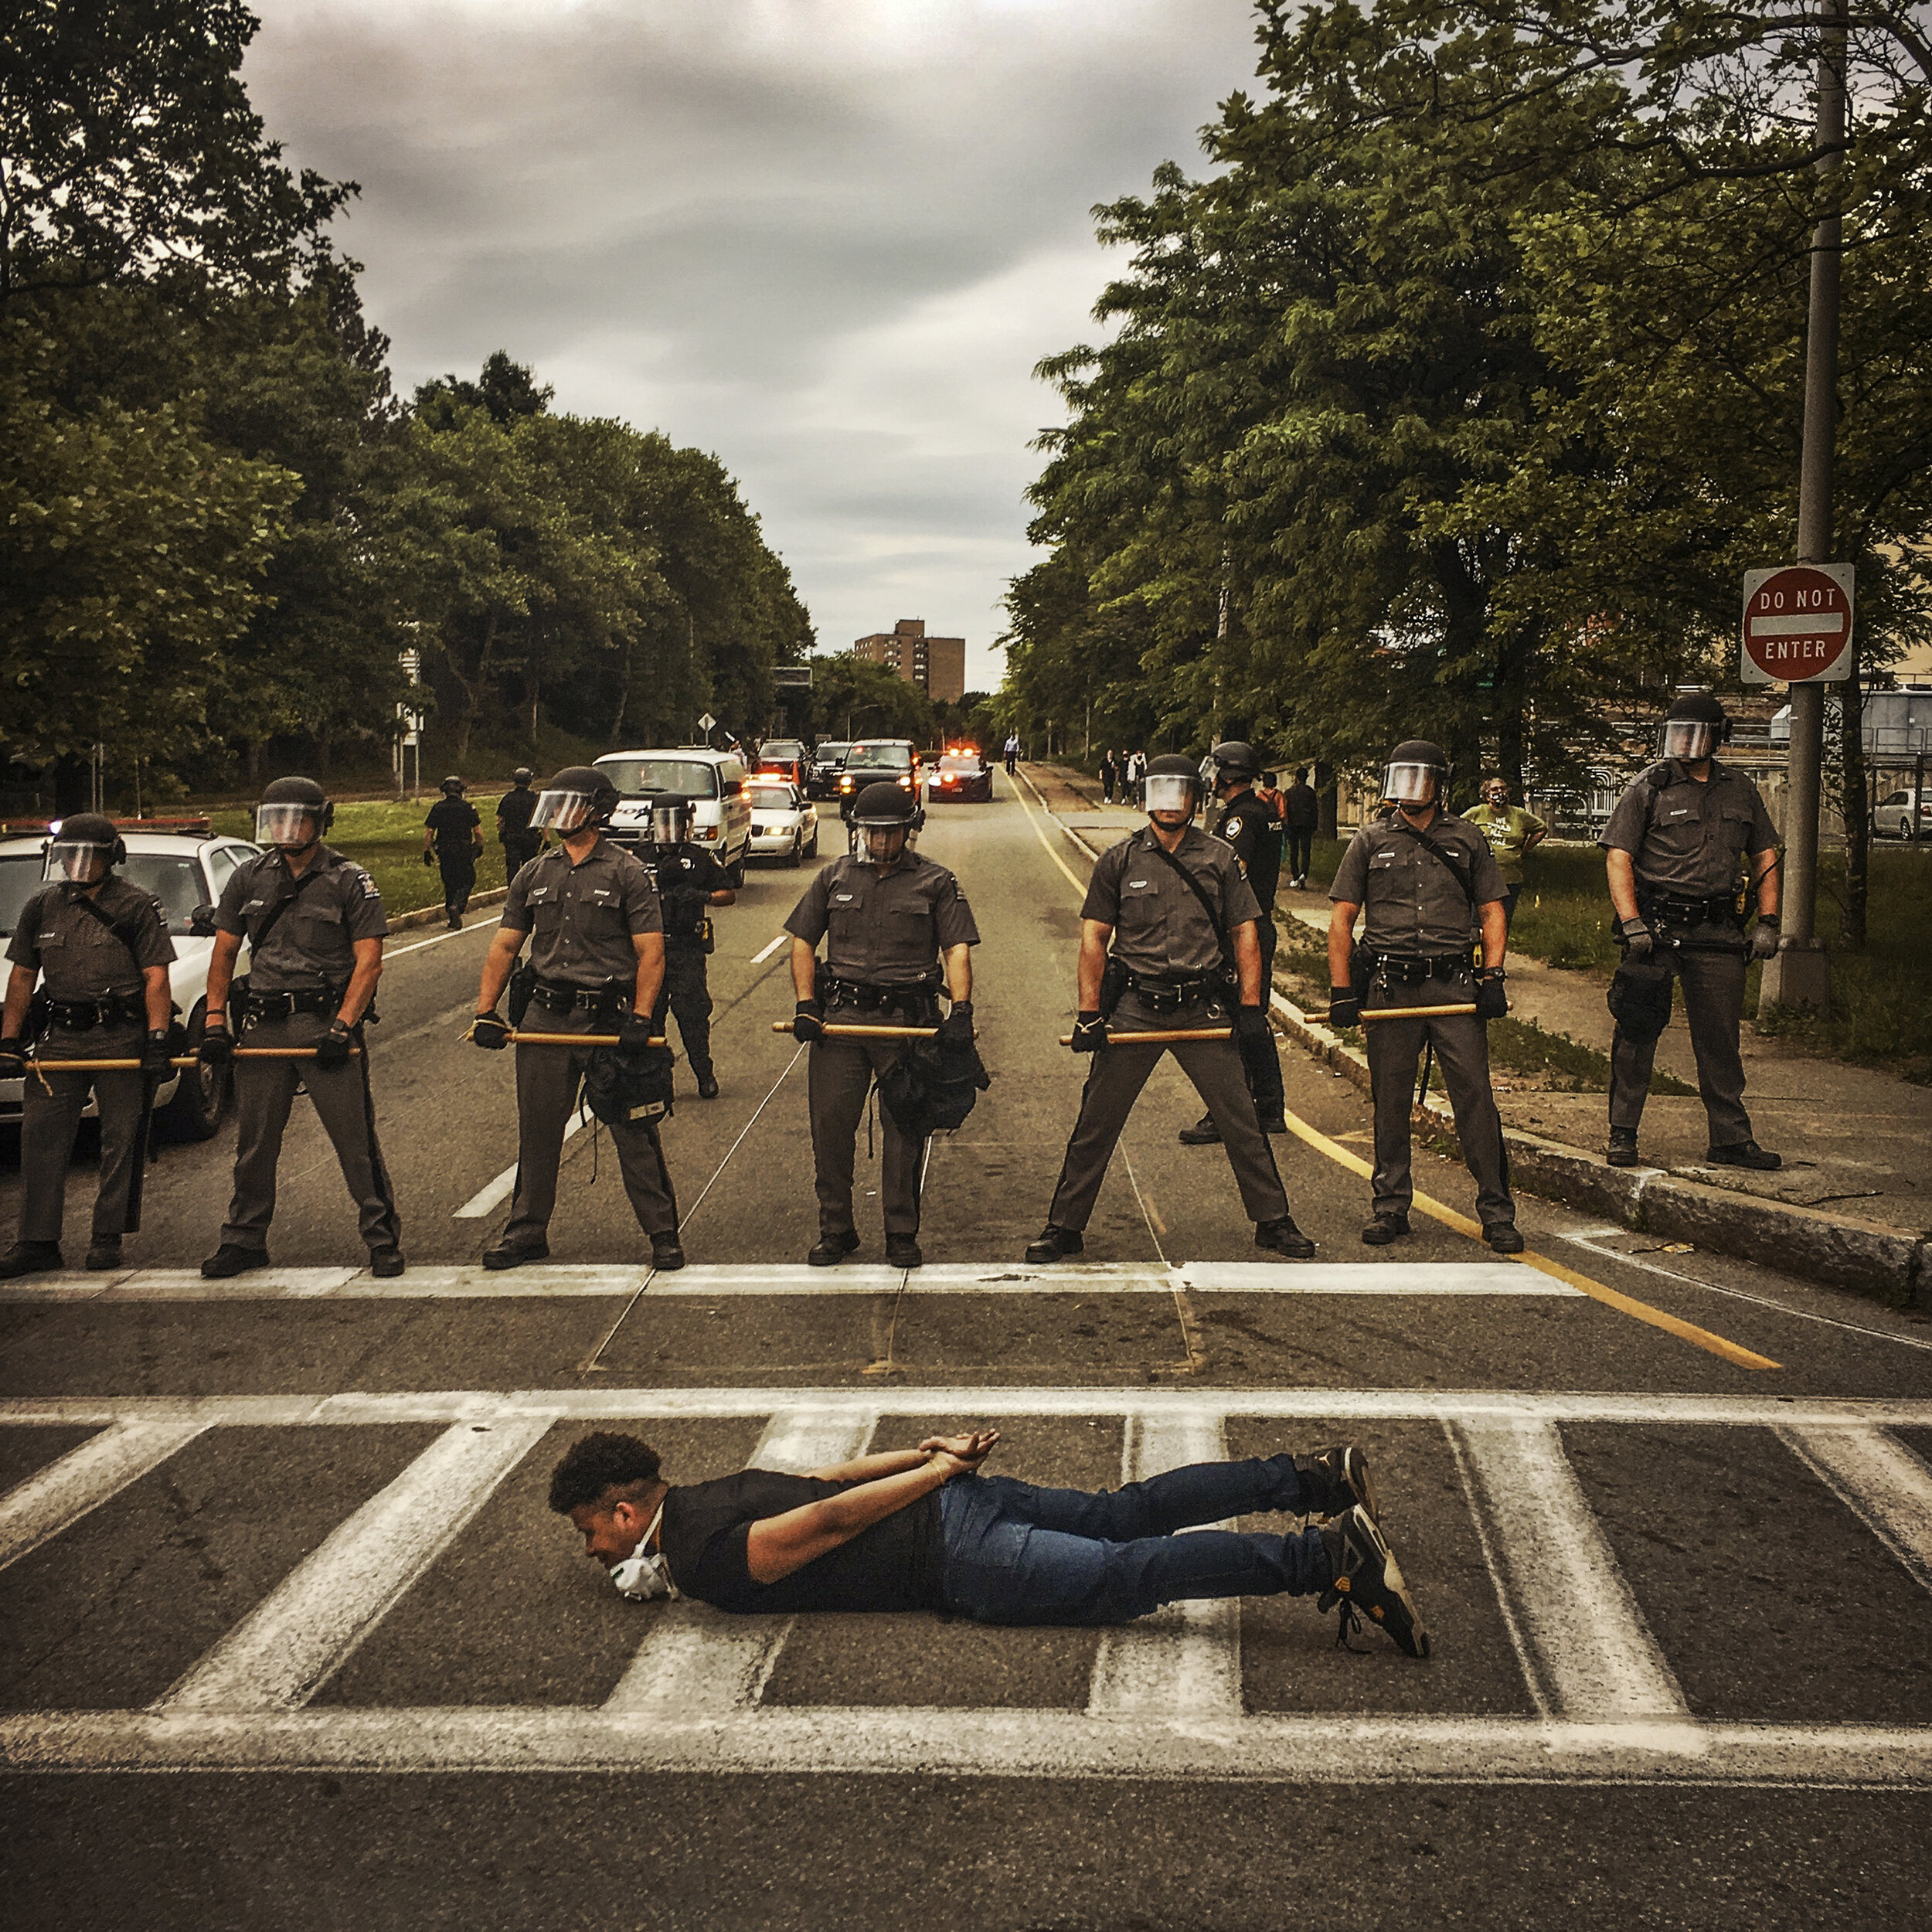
(895, 1565)
(514, 810)
(453, 820)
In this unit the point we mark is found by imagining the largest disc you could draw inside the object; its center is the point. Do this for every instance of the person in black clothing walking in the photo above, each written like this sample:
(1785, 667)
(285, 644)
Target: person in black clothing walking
(520, 844)
(1300, 813)
(452, 841)
(1110, 777)
(687, 879)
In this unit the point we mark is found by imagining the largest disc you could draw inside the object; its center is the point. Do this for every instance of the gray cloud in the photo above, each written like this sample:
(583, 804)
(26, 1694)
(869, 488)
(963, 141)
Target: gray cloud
(826, 240)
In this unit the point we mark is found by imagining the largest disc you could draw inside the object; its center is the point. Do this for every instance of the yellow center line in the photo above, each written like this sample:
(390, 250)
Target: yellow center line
(1716, 1344)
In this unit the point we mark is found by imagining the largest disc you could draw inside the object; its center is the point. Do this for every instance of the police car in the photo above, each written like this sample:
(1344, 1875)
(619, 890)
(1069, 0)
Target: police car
(185, 864)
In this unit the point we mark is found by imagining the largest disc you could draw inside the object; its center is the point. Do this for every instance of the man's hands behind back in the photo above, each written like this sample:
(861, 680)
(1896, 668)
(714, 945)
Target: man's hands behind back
(966, 1452)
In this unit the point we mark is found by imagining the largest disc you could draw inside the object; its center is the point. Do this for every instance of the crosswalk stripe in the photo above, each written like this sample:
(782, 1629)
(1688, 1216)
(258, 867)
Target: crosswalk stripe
(1879, 1480)
(697, 1659)
(36, 1511)
(1592, 1657)
(1183, 1663)
(279, 1654)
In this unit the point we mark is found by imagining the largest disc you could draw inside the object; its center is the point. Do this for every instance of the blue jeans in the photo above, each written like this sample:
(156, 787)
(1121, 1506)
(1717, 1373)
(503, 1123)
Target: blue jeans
(1016, 1554)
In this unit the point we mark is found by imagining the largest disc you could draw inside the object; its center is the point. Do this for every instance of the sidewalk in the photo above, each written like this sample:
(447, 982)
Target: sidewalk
(1851, 1206)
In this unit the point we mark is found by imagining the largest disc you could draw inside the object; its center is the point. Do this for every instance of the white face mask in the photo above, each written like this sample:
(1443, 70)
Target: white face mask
(643, 1575)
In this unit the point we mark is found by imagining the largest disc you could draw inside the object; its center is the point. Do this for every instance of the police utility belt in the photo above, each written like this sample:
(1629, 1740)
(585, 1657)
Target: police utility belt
(260, 1006)
(558, 996)
(919, 1002)
(1163, 995)
(1661, 909)
(1413, 969)
(82, 1015)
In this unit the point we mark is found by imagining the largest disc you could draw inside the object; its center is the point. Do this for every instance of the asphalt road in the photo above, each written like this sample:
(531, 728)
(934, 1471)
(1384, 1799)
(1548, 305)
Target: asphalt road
(292, 1640)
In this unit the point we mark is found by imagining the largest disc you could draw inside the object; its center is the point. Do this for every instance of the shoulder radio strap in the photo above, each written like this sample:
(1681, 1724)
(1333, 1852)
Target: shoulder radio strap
(125, 931)
(1207, 905)
(259, 937)
(1456, 871)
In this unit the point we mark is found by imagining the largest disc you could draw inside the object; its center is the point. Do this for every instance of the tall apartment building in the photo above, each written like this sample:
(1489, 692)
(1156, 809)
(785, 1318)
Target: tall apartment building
(938, 664)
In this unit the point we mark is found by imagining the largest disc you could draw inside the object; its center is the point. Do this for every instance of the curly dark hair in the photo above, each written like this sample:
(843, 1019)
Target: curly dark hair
(597, 1464)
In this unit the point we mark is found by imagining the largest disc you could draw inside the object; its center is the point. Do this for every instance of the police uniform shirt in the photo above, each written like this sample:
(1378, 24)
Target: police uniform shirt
(313, 944)
(884, 929)
(515, 810)
(1414, 906)
(686, 877)
(1159, 928)
(58, 937)
(453, 820)
(582, 918)
(1686, 839)
(1249, 824)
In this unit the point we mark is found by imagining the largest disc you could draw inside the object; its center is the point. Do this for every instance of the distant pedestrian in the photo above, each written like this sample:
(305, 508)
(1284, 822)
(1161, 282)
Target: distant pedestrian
(1012, 752)
(1300, 813)
(1512, 832)
(1110, 777)
(1136, 776)
(452, 842)
(514, 811)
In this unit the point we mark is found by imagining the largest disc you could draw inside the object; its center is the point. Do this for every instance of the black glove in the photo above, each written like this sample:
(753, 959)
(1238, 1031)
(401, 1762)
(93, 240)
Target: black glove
(1090, 1032)
(1639, 941)
(13, 1058)
(216, 1047)
(1764, 939)
(332, 1049)
(956, 1029)
(429, 858)
(488, 1032)
(633, 1036)
(1492, 1001)
(808, 1021)
(1250, 1025)
(155, 1061)
(1344, 1009)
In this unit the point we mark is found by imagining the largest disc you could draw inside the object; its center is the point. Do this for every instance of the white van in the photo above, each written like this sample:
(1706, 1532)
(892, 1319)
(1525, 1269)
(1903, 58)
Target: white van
(714, 781)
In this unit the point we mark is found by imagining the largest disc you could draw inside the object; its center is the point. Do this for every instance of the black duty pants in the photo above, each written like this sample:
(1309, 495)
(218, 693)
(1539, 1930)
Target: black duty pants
(1710, 965)
(48, 1119)
(687, 997)
(459, 879)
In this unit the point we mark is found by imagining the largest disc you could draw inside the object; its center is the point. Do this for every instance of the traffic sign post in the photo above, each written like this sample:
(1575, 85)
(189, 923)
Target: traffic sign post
(1797, 625)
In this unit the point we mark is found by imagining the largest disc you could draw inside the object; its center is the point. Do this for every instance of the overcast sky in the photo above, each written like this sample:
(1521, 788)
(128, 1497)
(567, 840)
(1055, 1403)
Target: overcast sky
(826, 240)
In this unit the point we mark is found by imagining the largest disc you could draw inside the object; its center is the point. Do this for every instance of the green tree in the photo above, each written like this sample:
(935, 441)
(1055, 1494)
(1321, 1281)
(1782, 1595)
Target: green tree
(851, 697)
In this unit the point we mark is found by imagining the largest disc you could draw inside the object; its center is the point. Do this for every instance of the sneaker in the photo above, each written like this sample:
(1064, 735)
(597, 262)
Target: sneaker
(666, 1251)
(228, 1260)
(1745, 1154)
(1622, 1151)
(707, 1087)
(1366, 1581)
(902, 1251)
(1503, 1237)
(1203, 1133)
(1282, 1236)
(1055, 1243)
(507, 1254)
(1337, 1480)
(29, 1257)
(1385, 1228)
(103, 1255)
(832, 1248)
(386, 1263)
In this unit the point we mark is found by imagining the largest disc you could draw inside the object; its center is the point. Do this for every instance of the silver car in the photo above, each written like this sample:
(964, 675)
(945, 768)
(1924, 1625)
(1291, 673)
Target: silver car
(784, 825)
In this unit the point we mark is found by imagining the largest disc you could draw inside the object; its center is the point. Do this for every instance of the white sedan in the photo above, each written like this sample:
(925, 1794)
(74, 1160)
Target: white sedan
(784, 823)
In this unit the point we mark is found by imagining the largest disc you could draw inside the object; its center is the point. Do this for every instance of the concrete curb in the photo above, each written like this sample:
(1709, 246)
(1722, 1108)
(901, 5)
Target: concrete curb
(435, 915)
(1837, 1251)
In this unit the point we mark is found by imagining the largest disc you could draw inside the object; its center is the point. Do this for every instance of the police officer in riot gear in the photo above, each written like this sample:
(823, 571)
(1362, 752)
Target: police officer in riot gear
(520, 844)
(1181, 921)
(1252, 828)
(99, 948)
(453, 842)
(314, 925)
(1428, 883)
(1675, 849)
(897, 928)
(597, 960)
(687, 879)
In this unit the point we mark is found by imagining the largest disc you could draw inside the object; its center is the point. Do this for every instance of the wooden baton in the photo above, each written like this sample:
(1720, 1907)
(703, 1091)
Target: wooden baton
(865, 1033)
(1416, 1012)
(1170, 1037)
(36, 1064)
(570, 1039)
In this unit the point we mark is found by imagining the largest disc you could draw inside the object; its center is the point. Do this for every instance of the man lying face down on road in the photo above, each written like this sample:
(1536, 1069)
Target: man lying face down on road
(923, 1529)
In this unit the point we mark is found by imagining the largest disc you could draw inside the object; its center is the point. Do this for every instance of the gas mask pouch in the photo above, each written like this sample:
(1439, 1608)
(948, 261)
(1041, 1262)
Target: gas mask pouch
(644, 1575)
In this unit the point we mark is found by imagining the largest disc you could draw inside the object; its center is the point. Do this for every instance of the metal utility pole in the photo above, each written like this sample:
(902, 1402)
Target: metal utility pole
(1798, 975)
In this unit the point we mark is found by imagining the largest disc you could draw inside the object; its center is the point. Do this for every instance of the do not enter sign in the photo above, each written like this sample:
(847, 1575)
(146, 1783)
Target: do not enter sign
(1797, 625)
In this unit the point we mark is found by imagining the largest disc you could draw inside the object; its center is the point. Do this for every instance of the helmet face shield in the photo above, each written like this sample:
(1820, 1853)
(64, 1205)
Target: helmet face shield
(77, 861)
(1690, 740)
(1407, 784)
(290, 823)
(670, 822)
(1168, 792)
(563, 812)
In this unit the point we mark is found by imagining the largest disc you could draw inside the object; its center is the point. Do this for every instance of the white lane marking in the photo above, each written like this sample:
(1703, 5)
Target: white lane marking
(280, 1654)
(697, 1659)
(487, 1200)
(1184, 1662)
(482, 925)
(1596, 1661)
(1322, 1749)
(764, 953)
(1358, 1278)
(1320, 1404)
(1880, 1480)
(1592, 1239)
(35, 1512)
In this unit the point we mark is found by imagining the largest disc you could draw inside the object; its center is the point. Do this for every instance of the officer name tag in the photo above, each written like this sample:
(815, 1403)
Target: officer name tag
(1137, 885)
(844, 898)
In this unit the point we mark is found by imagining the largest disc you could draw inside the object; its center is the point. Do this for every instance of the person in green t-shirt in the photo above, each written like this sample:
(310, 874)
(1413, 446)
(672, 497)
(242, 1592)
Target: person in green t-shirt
(1511, 832)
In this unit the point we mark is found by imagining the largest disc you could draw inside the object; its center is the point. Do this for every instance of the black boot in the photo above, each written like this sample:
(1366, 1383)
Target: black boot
(1384, 1229)
(1282, 1236)
(29, 1257)
(831, 1249)
(228, 1260)
(1055, 1243)
(1745, 1154)
(1622, 1152)
(1203, 1133)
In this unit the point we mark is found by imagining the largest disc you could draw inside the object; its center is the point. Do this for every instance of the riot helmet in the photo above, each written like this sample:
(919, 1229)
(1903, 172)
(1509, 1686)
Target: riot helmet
(1235, 760)
(81, 850)
(521, 777)
(293, 814)
(1417, 775)
(673, 815)
(889, 815)
(1171, 784)
(453, 787)
(1694, 727)
(577, 797)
